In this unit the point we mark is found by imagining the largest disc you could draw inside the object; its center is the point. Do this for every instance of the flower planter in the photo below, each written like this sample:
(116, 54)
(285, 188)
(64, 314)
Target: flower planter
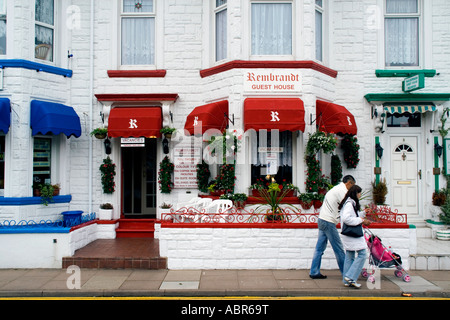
(443, 234)
(100, 135)
(105, 214)
(240, 204)
(317, 204)
(306, 205)
(217, 193)
(71, 218)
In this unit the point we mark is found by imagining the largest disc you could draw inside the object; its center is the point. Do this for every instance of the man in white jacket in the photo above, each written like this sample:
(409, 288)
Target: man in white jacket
(328, 219)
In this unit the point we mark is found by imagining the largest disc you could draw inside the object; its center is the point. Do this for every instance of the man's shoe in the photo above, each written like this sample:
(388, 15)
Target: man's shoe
(317, 276)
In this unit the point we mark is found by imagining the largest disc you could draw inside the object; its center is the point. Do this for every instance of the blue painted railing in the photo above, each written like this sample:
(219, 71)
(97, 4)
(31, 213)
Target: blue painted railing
(43, 226)
(31, 65)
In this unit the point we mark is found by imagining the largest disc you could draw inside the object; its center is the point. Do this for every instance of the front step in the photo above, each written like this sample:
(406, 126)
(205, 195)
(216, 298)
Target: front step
(136, 228)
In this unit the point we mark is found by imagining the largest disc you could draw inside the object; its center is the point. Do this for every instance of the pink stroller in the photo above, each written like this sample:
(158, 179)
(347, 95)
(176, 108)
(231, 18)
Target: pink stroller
(382, 257)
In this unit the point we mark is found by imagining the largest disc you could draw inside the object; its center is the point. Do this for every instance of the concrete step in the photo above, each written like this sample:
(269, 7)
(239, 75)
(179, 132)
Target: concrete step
(432, 254)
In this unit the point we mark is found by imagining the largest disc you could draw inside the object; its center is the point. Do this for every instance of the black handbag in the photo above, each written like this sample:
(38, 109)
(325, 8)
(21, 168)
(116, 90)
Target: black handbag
(352, 231)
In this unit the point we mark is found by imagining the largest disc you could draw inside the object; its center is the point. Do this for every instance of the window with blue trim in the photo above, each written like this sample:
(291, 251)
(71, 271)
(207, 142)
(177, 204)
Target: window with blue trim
(44, 30)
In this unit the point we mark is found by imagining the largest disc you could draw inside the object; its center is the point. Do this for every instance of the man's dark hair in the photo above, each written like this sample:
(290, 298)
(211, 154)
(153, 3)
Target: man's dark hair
(348, 178)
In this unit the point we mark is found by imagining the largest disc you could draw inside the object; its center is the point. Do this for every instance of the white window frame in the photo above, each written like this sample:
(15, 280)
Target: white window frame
(294, 33)
(223, 7)
(156, 32)
(52, 27)
(4, 17)
(321, 10)
(55, 164)
(420, 16)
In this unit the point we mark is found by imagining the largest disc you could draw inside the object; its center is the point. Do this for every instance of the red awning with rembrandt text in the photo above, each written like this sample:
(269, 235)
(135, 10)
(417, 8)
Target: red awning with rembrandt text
(333, 118)
(284, 114)
(135, 122)
(209, 116)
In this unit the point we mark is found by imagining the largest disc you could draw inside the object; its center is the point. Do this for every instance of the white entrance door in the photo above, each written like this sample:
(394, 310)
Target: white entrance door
(404, 175)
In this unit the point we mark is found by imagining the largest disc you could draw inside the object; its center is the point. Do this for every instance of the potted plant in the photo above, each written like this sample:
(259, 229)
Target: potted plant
(46, 192)
(444, 234)
(318, 199)
(379, 192)
(164, 208)
(239, 200)
(306, 200)
(273, 197)
(108, 171)
(351, 150)
(105, 212)
(203, 175)
(438, 199)
(167, 132)
(166, 168)
(100, 133)
(291, 187)
(258, 185)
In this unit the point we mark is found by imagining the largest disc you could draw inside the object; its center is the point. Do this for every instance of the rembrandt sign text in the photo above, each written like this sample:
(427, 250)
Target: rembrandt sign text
(272, 81)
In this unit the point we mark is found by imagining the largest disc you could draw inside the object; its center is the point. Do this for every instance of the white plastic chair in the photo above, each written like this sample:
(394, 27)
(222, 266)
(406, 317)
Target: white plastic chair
(220, 207)
(187, 204)
(191, 204)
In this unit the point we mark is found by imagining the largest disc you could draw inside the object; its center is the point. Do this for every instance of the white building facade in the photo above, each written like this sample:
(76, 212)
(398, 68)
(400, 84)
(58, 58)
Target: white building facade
(135, 67)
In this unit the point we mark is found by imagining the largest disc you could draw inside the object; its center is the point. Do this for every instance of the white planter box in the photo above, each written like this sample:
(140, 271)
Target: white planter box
(105, 214)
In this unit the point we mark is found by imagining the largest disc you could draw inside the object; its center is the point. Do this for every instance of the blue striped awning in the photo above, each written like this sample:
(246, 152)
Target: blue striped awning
(411, 108)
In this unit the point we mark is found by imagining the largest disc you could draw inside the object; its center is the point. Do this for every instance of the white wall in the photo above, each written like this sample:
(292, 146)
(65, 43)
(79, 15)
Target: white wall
(254, 248)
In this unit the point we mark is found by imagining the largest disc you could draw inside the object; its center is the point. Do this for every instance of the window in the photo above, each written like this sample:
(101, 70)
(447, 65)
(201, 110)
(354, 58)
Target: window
(44, 29)
(279, 145)
(221, 29)
(404, 120)
(402, 33)
(42, 159)
(138, 32)
(2, 27)
(319, 30)
(271, 28)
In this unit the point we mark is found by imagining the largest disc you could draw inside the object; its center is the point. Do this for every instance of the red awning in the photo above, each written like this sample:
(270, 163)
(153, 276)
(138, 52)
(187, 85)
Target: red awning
(333, 118)
(135, 122)
(284, 114)
(212, 116)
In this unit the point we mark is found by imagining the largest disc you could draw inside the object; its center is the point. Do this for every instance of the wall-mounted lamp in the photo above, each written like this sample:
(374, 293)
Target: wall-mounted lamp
(379, 150)
(107, 144)
(438, 149)
(165, 144)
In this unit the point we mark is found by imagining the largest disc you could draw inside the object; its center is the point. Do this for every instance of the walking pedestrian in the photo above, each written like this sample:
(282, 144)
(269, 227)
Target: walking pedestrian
(354, 244)
(327, 221)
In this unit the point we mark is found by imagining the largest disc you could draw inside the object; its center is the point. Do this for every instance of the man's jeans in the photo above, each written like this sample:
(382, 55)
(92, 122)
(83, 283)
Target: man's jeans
(352, 265)
(327, 231)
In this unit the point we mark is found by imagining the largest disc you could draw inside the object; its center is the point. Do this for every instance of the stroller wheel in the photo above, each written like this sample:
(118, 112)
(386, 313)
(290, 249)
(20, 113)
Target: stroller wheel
(398, 273)
(371, 279)
(406, 278)
(364, 273)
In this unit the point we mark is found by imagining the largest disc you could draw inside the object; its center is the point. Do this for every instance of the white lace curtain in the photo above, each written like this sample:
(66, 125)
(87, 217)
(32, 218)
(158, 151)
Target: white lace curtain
(272, 138)
(271, 29)
(402, 33)
(138, 34)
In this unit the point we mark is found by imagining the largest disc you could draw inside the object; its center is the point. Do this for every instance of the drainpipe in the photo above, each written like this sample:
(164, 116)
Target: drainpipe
(91, 105)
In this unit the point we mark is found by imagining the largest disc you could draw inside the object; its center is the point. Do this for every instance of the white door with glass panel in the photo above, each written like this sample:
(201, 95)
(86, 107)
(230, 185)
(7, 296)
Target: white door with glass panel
(404, 175)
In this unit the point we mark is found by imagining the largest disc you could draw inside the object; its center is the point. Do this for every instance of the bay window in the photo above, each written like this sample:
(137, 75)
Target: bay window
(44, 29)
(319, 30)
(271, 28)
(2, 27)
(138, 32)
(221, 29)
(402, 20)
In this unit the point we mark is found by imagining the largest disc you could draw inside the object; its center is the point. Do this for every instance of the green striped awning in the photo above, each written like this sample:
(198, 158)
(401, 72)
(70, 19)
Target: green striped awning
(411, 108)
